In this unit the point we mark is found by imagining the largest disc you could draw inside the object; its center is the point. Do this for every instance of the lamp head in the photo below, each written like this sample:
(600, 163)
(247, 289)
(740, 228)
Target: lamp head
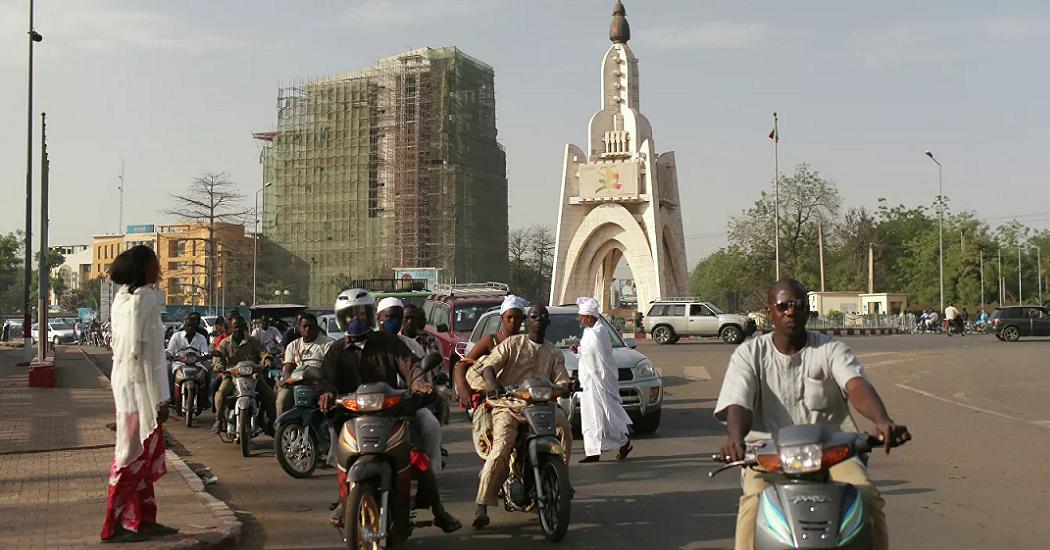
(929, 154)
(35, 36)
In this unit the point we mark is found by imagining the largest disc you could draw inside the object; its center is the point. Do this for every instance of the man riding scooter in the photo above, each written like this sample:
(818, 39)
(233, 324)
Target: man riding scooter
(364, 356)
(792, 376)
(189, 337)
(311, 345)
(234, 349)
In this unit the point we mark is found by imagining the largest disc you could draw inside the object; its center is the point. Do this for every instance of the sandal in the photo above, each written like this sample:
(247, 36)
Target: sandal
(446, 522)
(481, 521)
(624, 451)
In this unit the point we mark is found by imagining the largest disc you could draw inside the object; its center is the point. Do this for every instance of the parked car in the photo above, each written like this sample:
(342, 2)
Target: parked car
(329, 326)
(57, 332)
(453, 311)
(672, 318)
(1011, 323)
(641, 387)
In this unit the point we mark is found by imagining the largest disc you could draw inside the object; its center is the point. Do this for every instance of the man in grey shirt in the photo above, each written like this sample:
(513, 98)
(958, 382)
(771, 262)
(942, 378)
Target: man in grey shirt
(792, 376)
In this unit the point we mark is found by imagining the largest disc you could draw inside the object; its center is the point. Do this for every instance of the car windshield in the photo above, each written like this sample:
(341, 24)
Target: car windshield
(714, 308)
(565, 329)
(467, 315)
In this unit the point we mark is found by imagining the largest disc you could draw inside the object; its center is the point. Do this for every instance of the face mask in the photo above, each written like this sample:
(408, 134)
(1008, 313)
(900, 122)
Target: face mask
(393, 326)
(357, 326)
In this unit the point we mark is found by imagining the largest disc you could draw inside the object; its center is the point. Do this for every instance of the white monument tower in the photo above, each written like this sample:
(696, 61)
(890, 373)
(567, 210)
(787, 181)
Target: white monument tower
(619, 199)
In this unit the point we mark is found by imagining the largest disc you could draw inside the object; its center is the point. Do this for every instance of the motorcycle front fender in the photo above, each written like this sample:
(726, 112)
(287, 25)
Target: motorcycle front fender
(544, 445)
(306, 417)
(370, 467)
(245, 403)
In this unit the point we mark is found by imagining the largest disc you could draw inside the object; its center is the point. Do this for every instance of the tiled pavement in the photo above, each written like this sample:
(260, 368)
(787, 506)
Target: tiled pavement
(55, 454)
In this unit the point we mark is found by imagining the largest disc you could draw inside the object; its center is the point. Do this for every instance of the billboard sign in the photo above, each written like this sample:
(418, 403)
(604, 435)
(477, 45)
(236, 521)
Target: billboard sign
(428, 274)
(148, 228)
(614, 179)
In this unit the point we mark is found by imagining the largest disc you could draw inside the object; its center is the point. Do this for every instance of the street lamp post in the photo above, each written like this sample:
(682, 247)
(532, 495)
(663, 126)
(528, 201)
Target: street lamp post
(1019, 300)
(255, 260)
(27, 307)
(940, 220)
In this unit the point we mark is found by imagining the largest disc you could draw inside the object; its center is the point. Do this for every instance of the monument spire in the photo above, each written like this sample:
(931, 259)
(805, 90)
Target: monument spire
(619, 30)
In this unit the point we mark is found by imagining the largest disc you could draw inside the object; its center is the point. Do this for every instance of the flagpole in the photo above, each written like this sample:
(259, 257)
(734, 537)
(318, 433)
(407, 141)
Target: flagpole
(776, 192)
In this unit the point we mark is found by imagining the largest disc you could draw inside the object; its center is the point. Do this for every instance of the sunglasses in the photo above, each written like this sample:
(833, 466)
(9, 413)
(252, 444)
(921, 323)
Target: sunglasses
(535, 316)
(783, 305)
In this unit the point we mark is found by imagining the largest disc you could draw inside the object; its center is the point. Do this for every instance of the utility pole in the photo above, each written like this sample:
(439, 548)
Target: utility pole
(820, 244)
(940, 219)
(871, 268)
(27, 306)
(1019, 300)
(120, 227)
(1039, 272)
(981, 264)
(776, 190)
(1002, 290)
(43, 275)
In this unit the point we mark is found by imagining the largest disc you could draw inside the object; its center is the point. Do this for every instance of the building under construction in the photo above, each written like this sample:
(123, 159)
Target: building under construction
(393, 166)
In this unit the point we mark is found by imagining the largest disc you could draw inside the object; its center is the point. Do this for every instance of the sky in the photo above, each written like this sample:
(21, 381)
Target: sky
(174, 89)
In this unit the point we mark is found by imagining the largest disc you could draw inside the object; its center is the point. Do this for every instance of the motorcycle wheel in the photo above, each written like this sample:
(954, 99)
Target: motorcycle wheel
(244, 433)
(297, 458)
(554, 514)
(361, 529)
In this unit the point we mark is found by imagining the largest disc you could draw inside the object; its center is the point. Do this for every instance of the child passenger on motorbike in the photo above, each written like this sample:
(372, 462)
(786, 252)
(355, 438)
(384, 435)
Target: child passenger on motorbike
(793, 376)
(365, 356)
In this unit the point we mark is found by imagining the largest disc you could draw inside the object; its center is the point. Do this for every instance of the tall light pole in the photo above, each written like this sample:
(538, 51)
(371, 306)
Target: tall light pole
(27, 306)
(981, 264)
(1019, 300)
(255, 260)
(940, 219)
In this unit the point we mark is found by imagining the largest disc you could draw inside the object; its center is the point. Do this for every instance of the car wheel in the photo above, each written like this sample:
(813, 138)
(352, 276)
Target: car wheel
(731, 334)
(647, 424)
(663, 335)
(1011, 334)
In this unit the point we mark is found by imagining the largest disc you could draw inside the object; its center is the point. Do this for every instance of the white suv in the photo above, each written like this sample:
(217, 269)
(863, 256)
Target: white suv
(671, 318)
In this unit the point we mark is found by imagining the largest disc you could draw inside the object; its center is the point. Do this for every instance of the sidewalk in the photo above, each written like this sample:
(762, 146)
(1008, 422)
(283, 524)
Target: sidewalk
(55, 454)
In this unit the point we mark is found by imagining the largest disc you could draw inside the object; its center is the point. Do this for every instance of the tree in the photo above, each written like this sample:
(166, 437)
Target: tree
(87, 295)
(530, 253)
(210, 199)
(11, 274)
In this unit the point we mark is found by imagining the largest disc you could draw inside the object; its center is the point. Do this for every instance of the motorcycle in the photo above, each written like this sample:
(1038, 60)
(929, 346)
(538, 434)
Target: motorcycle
(802, 507)
(272, 363)
(245, 416)
(301, 439)
(539, 475)
(190, 382)
(375, 450)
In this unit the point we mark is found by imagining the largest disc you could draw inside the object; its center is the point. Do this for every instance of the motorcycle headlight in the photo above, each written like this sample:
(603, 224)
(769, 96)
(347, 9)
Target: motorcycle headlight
(542, 393)
(646, 369)
(801, 459)
(369, 401)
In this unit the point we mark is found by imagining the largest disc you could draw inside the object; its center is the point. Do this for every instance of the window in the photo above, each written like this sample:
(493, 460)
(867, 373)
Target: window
(699, 310)
(677, 310)
(659, 310)
(441, 315)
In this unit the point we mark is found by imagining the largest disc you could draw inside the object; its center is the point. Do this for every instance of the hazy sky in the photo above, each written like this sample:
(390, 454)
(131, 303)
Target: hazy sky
(176, 88)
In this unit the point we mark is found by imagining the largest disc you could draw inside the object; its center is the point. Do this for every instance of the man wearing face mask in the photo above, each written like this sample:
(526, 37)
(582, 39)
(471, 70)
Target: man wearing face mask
(364, 356)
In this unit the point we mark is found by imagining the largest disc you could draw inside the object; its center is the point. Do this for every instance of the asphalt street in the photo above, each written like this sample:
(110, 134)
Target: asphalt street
(975, 475)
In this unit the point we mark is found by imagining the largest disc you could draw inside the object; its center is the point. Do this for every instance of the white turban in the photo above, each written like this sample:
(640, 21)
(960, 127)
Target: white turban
(513, 302)
(588, 306)
(389, 302)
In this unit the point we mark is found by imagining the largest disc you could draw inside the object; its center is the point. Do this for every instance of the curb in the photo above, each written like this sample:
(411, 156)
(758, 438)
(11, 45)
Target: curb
(229, 531)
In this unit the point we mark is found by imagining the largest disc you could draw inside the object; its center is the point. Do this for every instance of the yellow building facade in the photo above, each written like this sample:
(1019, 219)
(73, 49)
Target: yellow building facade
(182, 251)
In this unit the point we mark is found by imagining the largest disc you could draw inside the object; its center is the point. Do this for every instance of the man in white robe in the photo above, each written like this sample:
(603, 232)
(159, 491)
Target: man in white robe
(604, 421)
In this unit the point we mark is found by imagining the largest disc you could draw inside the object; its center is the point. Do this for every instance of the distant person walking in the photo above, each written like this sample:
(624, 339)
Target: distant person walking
(141, 394)
(604, 421)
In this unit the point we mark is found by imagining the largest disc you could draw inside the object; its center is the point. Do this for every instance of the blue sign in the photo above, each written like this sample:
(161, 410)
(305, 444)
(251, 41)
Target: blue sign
(149, 228)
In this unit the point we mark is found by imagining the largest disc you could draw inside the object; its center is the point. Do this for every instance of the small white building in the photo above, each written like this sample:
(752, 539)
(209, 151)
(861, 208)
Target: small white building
(843, 302)
(875, 303)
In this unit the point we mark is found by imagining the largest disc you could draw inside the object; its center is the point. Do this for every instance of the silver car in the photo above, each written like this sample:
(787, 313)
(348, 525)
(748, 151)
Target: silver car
(641, 388)
(669, 319)
(57, 332)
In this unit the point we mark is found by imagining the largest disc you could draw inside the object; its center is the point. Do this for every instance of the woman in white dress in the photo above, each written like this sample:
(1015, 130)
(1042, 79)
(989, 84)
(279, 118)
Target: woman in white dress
(140, 391)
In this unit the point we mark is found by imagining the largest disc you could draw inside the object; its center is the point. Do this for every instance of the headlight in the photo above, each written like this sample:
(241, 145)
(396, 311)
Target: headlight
(542, 393)
(801, 459)
(646, 369)
(370, 401)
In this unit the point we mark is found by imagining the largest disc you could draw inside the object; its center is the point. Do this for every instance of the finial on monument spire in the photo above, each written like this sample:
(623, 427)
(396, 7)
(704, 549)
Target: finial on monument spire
(619, 31)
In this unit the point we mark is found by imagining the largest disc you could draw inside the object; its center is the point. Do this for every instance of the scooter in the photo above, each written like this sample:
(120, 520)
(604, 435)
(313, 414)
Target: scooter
(803, 508)
(539, 475)
(375, 451)
(301, 439)
(190, 382)
(245, 416)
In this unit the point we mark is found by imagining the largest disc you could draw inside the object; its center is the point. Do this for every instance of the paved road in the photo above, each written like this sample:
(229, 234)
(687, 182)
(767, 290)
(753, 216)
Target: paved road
(975, 476)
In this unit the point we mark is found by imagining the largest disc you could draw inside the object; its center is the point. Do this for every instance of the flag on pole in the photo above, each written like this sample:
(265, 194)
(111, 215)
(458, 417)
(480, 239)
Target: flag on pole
(775, 134)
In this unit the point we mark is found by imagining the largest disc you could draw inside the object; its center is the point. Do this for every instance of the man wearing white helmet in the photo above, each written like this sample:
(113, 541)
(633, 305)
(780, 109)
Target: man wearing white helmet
(602, 417)
(364, 356)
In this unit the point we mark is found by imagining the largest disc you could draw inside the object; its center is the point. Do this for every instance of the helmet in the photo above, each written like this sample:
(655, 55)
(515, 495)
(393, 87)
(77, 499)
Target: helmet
(351, 298)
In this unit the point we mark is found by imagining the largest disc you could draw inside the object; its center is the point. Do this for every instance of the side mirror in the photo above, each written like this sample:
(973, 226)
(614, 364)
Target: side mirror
(630, 342)
(442, 328)
(432, 361)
